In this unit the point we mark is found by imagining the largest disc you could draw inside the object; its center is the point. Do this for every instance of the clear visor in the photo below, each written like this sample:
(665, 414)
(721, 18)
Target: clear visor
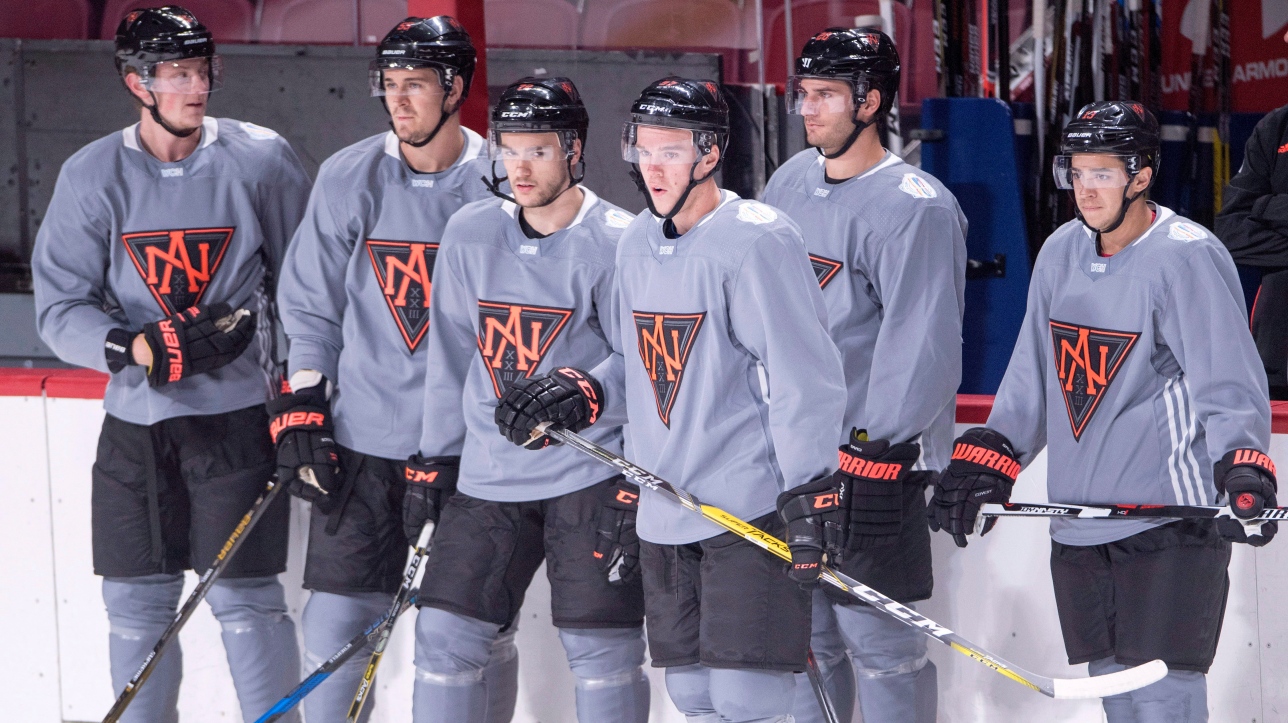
(807, 95)
(521, 146)
(403, 80)
(651, 145)
(1088, 175)
(191, 76)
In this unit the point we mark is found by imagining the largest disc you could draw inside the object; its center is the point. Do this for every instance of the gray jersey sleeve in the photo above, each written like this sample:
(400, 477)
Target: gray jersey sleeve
(451, 347)
(282, 205)
(917, 361)
(773, 308)
(1019, 409)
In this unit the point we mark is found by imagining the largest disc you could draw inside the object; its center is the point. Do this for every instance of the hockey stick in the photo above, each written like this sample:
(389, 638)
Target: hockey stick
(387, 625)
(207, 579)
(1084, 512)
(820, 692)
(332, 664)
(1065, 688)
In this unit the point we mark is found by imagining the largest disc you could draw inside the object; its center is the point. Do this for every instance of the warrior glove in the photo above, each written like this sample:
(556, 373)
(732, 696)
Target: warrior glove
(617, 546)
(570, 398)
(307, 459)
(874, 471)
(983, 469)
(431, 481)
(1247, 478)
(197, 340)
(816, 514)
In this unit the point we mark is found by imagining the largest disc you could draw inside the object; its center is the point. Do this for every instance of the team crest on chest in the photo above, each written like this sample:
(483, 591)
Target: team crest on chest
(514, 338)
(1086, 361)
(824, 269)
(404, 270)
(177, 265)
(665, 341)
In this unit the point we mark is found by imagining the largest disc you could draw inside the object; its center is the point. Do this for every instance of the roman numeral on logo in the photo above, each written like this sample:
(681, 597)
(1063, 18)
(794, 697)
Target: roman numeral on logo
(514, 338)
(404, 270)
(824, 269)
(1086, 361)
(665, 341)
(177, 265)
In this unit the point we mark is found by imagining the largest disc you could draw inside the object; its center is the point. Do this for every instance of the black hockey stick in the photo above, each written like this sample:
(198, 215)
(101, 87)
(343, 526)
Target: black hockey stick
(387, 626)
(820, 692)
(1065, 688)
(190, 605)
(1091, 512)
(332, 664)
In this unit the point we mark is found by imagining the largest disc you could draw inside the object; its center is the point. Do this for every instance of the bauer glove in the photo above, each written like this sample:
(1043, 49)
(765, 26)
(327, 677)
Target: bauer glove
(875, 470)
(983, 469)
(197, 340)
(431, 481)
(1247, 478)
(308, 462)
(617, 546)
(816, 514)
(570, 398)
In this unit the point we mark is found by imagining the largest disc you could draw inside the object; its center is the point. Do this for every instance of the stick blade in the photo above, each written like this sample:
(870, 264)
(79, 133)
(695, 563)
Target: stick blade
(1100, 686)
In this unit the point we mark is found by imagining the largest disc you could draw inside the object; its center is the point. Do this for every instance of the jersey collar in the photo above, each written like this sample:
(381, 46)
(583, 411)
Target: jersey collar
(473, 146)
(664, 249)
(527, 248)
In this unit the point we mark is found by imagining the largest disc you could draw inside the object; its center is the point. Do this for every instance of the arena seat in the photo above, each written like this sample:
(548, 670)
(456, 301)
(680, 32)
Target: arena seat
(533, 23)
(328, 21)
(45, 19)
(230, 21)
(663, 24)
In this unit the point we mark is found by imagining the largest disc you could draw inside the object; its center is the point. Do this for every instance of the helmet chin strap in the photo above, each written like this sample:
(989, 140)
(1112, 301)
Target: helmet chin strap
(1118, 221)
(679, 204)
(156, 116)
(442, 118)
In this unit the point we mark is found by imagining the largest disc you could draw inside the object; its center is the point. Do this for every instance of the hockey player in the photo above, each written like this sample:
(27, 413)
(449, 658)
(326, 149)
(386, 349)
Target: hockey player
(733, 391)
(524, 286)
(153, 236)
(888, 243)
(1136, 329)
(354, 298)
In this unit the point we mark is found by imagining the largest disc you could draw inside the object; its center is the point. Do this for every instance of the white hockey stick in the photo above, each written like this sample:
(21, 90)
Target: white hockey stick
(1065, 688)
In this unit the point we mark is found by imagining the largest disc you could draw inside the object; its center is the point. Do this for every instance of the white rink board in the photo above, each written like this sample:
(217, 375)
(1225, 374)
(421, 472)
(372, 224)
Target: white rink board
(997, 592)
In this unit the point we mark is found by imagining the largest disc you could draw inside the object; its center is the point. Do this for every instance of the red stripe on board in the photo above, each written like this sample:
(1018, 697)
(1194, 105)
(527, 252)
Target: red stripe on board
(22, 382)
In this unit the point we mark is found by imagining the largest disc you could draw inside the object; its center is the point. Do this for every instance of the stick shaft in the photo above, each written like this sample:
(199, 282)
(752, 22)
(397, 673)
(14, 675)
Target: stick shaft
(1043, 509)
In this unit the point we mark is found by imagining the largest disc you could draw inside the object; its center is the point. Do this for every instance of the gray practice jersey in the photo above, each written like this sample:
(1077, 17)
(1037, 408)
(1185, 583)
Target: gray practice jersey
(733, 389)
(1136, 371)
(128, 240)
(889, 250)
(507, 307)
(355, 292)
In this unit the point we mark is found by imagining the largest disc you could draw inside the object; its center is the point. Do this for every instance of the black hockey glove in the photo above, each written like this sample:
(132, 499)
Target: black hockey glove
(431, 481)
(817, 515)
(617, 546)
(1247, 478)
(197, 340)
(875, 471)
(307, 460)
(570, 398)
(983, 469)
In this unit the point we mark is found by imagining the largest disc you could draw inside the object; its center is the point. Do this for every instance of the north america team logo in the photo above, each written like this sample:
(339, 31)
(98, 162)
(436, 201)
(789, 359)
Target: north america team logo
(404, 270)
(514, 338)
(177, 265)
(1086, 361)
(824, 268)
(665, 341)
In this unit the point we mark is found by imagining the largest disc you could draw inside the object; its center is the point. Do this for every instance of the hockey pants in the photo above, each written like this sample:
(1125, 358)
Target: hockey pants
(731, 695)
(258, 636)
(452, 654)
(896, 682)
(1181, 697)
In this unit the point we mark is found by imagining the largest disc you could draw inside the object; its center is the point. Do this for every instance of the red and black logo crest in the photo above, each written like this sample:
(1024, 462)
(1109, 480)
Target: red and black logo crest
(824, 269)
(513, 339)
(404, 270)
(177, 265)
(665, 341)
(1086, 362)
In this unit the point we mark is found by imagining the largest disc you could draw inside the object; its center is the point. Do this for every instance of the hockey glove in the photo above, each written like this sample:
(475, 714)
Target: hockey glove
(816, 515)
(875, 471)
(307, 460)
(617, 546)
(569, 398)
(197, 340)
(1247, 478)
(983, 469)
(431, 481)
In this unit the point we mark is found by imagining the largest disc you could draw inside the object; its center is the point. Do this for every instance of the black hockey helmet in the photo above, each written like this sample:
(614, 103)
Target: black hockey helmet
(540, 105)
(150, 36)
(439, 42)
(1119, 128)
(688, 104)
(864, 57)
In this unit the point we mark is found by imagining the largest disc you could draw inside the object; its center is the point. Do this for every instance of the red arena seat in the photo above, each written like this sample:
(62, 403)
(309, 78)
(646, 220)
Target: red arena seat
(230, 21)
(328, 21)
(45, 19)
(540, 23)
(663, 24)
